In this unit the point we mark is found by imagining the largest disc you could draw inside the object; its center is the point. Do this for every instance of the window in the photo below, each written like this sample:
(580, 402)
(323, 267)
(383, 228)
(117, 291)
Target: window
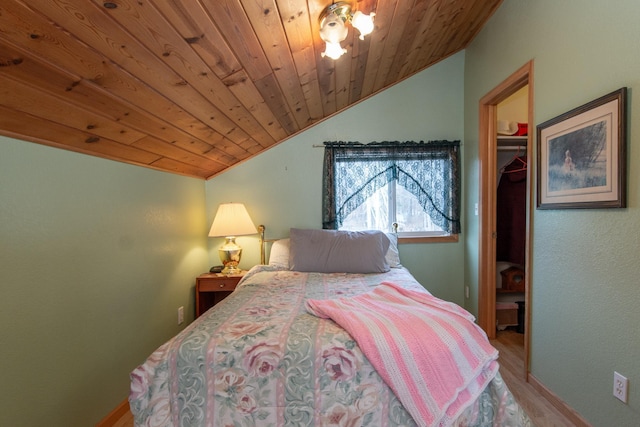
(416, 185)
(388, 205)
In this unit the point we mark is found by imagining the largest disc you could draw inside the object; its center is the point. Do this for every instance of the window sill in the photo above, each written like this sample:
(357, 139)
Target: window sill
(435, 239)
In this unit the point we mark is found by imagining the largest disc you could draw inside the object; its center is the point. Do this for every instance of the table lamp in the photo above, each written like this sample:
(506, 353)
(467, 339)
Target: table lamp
(231, 220)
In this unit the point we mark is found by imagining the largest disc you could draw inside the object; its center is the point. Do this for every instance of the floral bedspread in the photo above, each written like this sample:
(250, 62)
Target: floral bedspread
(259, 359)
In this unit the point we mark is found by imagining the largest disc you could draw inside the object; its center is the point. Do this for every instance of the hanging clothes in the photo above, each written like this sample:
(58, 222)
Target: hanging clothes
(511, 212)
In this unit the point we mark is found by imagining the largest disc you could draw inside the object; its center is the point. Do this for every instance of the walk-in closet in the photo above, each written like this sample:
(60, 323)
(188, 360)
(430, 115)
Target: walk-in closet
(511, 199)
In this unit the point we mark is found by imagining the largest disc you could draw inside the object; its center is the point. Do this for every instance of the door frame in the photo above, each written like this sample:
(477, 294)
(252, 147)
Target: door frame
(488, 196)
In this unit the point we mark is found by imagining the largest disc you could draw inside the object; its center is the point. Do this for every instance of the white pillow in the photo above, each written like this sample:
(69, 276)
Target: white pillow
(393, 255)
(279, 255)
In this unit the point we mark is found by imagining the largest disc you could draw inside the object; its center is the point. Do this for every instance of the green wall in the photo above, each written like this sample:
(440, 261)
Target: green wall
(282, 188)
(95, 258)
(585, 269)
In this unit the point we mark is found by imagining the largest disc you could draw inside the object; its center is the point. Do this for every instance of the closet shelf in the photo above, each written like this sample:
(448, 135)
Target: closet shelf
(512, 140)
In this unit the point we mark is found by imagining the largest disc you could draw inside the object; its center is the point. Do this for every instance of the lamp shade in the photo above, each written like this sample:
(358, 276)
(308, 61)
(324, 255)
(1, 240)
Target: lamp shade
(333, 29)
(232, 219)
(333, 50)
(364, 23)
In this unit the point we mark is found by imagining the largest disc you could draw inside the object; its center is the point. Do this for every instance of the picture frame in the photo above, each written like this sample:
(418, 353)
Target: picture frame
(582, 156)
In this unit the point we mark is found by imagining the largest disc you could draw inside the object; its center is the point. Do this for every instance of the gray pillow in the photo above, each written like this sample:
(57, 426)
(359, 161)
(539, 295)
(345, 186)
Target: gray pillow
(334, 251)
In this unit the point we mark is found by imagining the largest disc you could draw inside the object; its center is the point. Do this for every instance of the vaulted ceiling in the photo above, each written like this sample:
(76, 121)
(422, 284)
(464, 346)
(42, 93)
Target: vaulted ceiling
(196, 86)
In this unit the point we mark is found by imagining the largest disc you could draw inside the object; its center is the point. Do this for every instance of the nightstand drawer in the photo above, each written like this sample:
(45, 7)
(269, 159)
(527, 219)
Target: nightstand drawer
(219, 285)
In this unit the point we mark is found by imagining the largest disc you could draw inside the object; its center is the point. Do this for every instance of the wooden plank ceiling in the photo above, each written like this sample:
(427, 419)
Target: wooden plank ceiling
(195, 86)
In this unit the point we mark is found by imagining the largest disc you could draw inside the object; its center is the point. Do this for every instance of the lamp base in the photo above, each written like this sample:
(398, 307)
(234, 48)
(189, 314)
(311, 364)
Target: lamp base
(230, 254)
(230, 270)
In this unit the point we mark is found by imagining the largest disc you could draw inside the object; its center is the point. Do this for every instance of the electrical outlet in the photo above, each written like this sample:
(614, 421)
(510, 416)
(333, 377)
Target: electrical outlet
(620, 386)
(180, 315)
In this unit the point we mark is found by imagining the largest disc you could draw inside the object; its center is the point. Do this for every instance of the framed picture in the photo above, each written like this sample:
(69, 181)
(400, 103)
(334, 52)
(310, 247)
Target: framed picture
(582, 156)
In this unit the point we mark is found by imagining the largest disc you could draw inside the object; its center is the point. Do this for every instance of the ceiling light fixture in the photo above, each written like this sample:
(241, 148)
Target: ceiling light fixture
(333, 29)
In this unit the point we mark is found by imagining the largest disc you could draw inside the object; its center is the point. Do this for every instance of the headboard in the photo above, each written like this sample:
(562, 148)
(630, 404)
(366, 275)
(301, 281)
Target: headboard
(263, 244)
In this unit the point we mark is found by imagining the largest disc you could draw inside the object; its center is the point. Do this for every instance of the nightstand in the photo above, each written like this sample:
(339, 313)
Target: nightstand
(211, 288)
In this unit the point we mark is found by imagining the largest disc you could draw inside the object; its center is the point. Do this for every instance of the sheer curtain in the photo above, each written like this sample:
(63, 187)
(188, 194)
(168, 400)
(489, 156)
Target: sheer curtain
(430, 171)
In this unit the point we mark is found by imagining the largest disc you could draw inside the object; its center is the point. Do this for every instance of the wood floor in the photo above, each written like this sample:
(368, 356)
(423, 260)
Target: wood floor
(125, 421)
(510, 344)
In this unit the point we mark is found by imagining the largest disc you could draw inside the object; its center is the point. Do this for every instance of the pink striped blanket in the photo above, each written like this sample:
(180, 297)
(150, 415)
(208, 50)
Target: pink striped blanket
(429, 351)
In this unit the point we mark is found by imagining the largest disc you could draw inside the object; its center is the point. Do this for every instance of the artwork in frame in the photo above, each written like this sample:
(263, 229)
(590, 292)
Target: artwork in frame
(582, 156)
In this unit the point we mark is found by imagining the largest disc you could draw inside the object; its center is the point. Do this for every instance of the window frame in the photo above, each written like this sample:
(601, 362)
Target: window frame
(434, 150)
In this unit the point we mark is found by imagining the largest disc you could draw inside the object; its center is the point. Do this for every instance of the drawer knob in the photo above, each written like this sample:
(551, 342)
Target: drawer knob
(222, 285)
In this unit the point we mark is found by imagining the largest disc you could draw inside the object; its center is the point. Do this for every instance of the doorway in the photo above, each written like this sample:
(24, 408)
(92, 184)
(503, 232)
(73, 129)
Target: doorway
(488, 155)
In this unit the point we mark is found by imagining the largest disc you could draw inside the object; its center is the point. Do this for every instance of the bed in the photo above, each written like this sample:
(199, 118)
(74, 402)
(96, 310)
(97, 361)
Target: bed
(276, 352)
